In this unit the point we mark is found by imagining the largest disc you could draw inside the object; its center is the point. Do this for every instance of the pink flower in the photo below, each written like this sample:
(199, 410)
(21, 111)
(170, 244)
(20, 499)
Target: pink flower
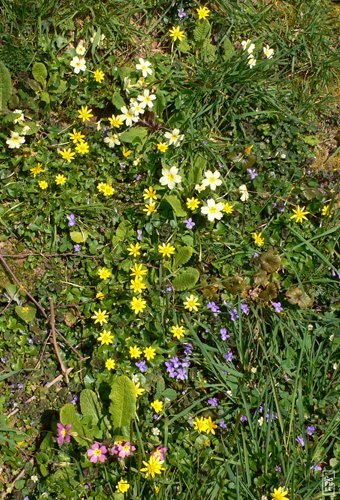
(97, 452)
(122, 449)
(63, 433)
(160, 453)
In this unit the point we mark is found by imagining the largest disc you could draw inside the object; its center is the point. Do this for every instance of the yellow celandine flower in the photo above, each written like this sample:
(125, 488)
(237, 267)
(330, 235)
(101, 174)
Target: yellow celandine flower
(191, 303)
(279, 494)
(116, 121)
(176, 33)
(138, 390)
(150, 208)
(157, 406)
(126, 152)
(258, 239)
(150, 194)
(152, 467)
(104, 273)
(43, 184)
(137, 285)
(210, 426)
(248, 149)
(122, 486)
(138, 304)
(67, 155)
(166, 250)
(76, 136)
(177, 331)
(85, 114)
(37, 169)
(193, 203)
(134, 249)
(60, 179)
(100, 296)
(105, 338)
(203, 12)
(156, 488)
(105, 188)
(149, 353)
(82, 148)
(299, 214)
(326, 211)
(200, 424)
(110, 364)
(100, 317)
(135, 352)
(228, 209)
(98, 75)
(162, 147)
(138, 270)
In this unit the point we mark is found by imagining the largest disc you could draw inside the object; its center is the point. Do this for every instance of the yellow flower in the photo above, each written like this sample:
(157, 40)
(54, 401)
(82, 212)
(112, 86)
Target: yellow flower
(150, 194)
(37, 169)
(98, 75)
(100, 296)
(162, 147)
(326, 210)
(149, 353)
(200, 424)
(279, 494)
(110, 364)
(157, 406)
(105, 189)
(122, 486)
(299, 214)
(60, 179)
(203, 12)
(135, 352)
(84, 113)
(138, 305)
(166, 250)
(138, 389)
(176, 33)
(177, 331)
(248, 149)
(82, 148)
(258, 239)
(137, 285)
(156, 488)
(150, 208)
(116, 121)
(191, 303)
(106, 338)
(67, 155)
(76, 136)
(193, 203)
(210, 426)
(43, 184)
(104, 273)
(138, 270)
(152, 467)
(100, 317)
(228, 209)
(134, 249)
(126, 152)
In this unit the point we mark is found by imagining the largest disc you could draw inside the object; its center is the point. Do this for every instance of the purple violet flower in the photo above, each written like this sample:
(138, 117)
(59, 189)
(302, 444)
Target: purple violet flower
(222, 424)
(316, 467)
(181, 13)
(300, 440)
(243, 418)
(189, 223)
(310, 430)
(224, 334)
(139, 234)
(278, 468)
(245, 308)
(233, 315)
(252, 173)
(71, 220)
(213, 401)
(77, 248)
(277, 307)
(141, 365)
(214, 308)
(229, 356)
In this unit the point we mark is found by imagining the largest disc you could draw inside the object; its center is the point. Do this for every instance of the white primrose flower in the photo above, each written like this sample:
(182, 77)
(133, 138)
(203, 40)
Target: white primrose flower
(251, 61)
(213, 210)
(248, 46)
(144, 67)
(128, 116)
(20, 118)
(170, 177)
(78, 64)
(80, 49)
(268, 52)
(112, 140)
(174, 137)
(15, 141)
(146, 99)
(212, 179)
(243, 192)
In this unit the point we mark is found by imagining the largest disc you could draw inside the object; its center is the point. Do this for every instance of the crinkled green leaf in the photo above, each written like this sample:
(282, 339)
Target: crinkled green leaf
(186, 279)
(123, 404)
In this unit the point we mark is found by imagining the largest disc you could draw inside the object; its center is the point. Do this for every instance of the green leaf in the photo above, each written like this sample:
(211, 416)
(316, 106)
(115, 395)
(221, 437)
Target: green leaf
(183, 46)
(228, 49)
(123, 232)
(176, 205)
(123, 404)
(39, 73)
(90, 405)
(12, 291)
(45, 97)
(201, 31)
(182, 256)
(170, 394)
(78, 237)
(5, 85)
(68, 415)
(118, 101)
(186, 279)
(61, 87)
(27, 314)
(311, 140)
(134, 135)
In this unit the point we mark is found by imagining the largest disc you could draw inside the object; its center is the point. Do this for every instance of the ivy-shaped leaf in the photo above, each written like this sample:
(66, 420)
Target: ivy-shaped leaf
(186, 279)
